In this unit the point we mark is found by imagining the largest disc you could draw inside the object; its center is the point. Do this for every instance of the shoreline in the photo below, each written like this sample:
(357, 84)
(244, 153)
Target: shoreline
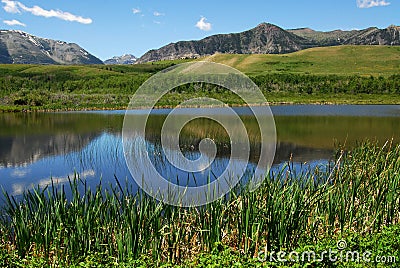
(11, 109)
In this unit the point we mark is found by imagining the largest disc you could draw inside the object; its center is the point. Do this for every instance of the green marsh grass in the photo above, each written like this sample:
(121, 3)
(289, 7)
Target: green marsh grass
(359, 192)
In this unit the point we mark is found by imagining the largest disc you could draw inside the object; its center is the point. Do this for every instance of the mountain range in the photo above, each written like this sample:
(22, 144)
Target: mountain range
(270, 39)
(124, 59)
(23, 48)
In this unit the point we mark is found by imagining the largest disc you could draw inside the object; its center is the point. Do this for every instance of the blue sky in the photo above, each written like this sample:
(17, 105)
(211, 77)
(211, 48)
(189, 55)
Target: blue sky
(108, 28)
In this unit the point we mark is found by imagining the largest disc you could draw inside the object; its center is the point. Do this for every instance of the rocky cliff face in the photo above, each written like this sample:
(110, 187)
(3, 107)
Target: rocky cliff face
(374, 36)
(23, 48)
(265, 38)
(369, 36)
(271, 39)
(332, 38)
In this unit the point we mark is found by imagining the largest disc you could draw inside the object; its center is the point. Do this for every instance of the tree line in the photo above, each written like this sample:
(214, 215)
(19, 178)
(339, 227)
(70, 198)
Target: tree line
(39, 89)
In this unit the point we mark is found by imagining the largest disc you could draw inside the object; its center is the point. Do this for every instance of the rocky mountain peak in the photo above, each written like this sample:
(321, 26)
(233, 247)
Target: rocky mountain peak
(393, 27)
(124, 59)
(24, 48)
(265, 38)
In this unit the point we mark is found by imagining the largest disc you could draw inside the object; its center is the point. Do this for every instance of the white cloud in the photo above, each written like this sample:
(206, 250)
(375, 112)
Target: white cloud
(371, 3)
(157, 14)
(60, 180)
(38, 11)
(136, 11)
(203, 25)
(14, 22)
(20, 188)
(16, 7)
(10, 6)
(19, 173)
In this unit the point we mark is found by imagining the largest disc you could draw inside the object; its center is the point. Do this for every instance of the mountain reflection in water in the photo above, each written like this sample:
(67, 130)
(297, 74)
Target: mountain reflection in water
(35, 147)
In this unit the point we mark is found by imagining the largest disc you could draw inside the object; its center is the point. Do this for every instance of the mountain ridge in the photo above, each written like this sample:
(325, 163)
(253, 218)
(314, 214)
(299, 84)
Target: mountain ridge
(264, 39)
(122, 60)
(268, 38)
(368, 36)
(23, 48)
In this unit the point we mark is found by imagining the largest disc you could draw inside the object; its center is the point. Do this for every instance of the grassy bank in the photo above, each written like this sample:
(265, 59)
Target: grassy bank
(357, 199)
(339, 60)
(339, 75)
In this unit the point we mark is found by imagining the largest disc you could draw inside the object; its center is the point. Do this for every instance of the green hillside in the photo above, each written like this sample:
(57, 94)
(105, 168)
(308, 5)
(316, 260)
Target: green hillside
(341, 60)
(345, 74)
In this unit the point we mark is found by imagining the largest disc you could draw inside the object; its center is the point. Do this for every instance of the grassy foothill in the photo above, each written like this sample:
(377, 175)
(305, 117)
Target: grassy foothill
(355, 201)
(328, 75)
(339, 60)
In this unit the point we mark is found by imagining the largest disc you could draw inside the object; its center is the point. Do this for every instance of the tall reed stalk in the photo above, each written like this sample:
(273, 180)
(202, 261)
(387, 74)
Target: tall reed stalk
(359, 192)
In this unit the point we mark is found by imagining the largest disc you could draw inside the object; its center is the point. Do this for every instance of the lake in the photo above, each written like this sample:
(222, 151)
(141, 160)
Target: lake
(38, 147)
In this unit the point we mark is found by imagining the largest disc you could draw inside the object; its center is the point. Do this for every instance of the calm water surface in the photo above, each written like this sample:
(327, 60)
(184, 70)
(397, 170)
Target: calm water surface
(35, 147)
